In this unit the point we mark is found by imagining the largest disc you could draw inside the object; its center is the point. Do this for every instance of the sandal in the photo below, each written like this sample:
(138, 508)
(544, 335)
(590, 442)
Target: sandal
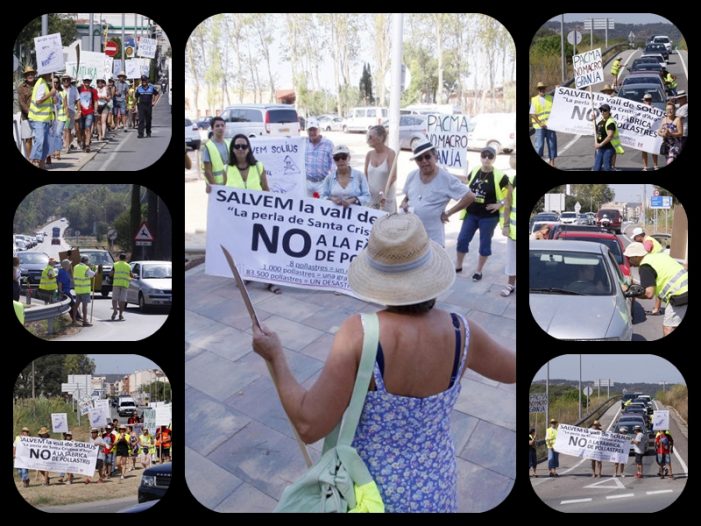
(274, 289)
(477, 276)
(507, 290)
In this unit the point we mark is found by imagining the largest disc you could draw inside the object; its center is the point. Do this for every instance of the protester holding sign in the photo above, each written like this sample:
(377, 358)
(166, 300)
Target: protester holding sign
(671, 130)
(541, 105)
(416, 383)
(606, 141)
(243, 170)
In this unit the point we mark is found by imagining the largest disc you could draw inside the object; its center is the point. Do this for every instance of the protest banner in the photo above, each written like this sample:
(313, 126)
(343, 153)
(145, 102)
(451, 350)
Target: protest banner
(49, 52)
(96, 417)
(59, 423)
(283, 160)
(537, 403)
(588, 68)
(164, 414)
(448, 133)
(637, 123)
(85, 406)
(275, 238)
(146, 48)
(92, 66)
(62, 456)
(660, 420)
(132, 69)
(592, 444)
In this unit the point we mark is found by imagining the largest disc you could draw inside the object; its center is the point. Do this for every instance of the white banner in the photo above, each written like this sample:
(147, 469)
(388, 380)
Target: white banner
(637, 122)
(144, 66)
(588, 68)
(592, 444)
(147, 47)
(660, 420)
(49, 51)
(133, 70)
(85, 406)
(92, 66)
(274, 238)
(62, 456)
(149, 416)
(283, 160)
(448, 133)
(59, 423)
(164, 414)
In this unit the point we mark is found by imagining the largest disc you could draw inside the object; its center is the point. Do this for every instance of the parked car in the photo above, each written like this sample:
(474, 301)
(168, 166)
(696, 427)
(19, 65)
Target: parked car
(261, 119)
(362, 118)
(155, 482)
(330, 122)
(643, 77)
(637, 91)
(103, 259)
(614, 216)
(568, 218)
(647, 66)
(31, 265)
(497, 130)
(575, 292)
(152, 284)
(410, 127)
(192, 135)
(663, 239)
(550, 217)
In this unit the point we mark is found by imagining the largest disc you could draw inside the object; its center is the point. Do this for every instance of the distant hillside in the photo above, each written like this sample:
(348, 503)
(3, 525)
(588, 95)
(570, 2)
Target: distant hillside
(642, 32)
(558, 385)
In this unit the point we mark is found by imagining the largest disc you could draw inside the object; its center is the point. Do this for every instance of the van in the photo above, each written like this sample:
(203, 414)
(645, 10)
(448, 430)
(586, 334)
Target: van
(496, 130)
(362, 118)
(614, 216)
(260, 119)
(126, 406)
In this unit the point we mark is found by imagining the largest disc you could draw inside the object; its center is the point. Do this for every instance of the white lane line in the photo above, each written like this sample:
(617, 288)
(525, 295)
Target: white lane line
(569, 144)
(574, 501)
(681, 57)
(657, 492)
(679, 458)
(620, 496)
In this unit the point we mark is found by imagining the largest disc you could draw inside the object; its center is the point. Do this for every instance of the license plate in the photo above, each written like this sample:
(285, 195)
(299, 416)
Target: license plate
(284, 129)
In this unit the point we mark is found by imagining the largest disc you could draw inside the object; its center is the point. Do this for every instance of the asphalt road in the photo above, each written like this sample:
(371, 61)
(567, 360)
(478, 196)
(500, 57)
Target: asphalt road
(576, 152)
(575, 491)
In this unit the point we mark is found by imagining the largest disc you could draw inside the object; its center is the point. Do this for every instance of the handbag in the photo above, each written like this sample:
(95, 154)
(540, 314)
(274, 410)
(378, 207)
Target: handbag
(340, 482)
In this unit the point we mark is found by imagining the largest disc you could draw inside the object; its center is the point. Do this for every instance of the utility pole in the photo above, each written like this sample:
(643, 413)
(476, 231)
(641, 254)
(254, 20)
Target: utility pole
(580, 387)
(547, 394)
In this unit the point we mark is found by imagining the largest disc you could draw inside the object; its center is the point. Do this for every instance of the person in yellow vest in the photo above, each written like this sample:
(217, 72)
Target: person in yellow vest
(243, 170)
(121, 276)
(670, 82)
(541, 105)
(19, 311)
(489, 186)
(122, 449)
(664, 277)
(615, 70)
(41, 116)
(22, 472)
(553, 456)
(131, 105)
(509, 231)
(215, 154)
(82, 275)
(47, 284)
(608, 90)
(61, 122)
(146, 448)
(606, 141)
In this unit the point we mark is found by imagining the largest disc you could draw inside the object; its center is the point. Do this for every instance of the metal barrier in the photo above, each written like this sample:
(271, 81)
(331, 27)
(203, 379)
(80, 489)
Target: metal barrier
(48, 312)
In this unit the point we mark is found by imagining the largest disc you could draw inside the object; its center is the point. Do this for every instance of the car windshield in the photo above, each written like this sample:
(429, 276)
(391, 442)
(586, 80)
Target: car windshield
(33, 258)
(98, 258)
(636, 93)
(555, 272)
(157, 271)
(613, 245)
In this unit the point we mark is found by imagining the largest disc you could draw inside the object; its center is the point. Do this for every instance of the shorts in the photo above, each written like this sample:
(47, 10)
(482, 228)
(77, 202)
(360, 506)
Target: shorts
(673, 316)
(638, 458)
(83, 298)
(664, 459)
(120, 107)
(86, 121)
(119, 294)
(99, 464)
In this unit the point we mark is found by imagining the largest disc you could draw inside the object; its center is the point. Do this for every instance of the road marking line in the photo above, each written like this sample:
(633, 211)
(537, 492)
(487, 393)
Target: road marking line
(686, 73)
(621, 496)
(574, 501)
(659, 491)
(569, 144)
(597, 485)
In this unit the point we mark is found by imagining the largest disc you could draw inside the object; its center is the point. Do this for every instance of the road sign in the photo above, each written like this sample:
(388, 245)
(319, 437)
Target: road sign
(111, 234)
(111, 48)
(537, 403)
(129, 51)
(661, 201)
(577, 207)
(574, 37)
(587, 390)
(656, 193)
(631, 36)
(143, 237)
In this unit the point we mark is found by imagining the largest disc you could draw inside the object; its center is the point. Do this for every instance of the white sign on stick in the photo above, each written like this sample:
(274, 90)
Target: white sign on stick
(588, 68)
(660, 420)
(147, 47)
(97, 417)
(49, 51)
(448, 133)
(59, 423)
(132, 69)
(283, 160)
(592, 444)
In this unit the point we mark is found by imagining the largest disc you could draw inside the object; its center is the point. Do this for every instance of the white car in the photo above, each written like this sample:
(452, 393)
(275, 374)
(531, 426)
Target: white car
(568, 218)
(152, 284)
(497, 130)
(192, 135)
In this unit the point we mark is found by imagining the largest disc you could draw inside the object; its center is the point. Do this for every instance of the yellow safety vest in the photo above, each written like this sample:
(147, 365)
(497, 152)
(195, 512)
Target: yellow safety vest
(118, 437)
(234, 179)
(131, 98)
(550, 437)
(542, 111)
(615, 67)
(672, 278)
(218, 168)
(615, 140)
(48, 282)
(42, 112)
(512, 215)
(670, 82)
(656, 247)
(498, 175)
(19, 311)
(61, 114)
(80, 279)
(122, 274)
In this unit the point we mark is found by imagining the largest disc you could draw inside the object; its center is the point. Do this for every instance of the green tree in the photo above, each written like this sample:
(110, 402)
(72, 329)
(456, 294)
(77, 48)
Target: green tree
(366, 86)
(158, 391)
(78, 364)
(46, 376)
(58, 23)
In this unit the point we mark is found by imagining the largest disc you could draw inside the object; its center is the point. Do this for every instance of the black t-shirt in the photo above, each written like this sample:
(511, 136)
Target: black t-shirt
(601, 133)
(648, 276)
(483, 187)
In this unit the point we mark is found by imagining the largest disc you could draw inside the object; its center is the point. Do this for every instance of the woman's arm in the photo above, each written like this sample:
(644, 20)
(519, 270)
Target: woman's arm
(315, 412)
(489, 358)
(363, 190)
(263, 179)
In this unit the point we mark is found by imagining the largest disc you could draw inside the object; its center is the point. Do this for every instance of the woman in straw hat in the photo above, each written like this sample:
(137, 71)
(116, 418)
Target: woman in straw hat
(404, 431)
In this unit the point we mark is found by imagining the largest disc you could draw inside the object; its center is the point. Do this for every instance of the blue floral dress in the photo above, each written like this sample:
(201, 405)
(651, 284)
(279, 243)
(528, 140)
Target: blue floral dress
(406, 445)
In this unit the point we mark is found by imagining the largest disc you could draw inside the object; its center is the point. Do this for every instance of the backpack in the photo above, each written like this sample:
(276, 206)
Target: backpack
(664, 441)
(340, 481)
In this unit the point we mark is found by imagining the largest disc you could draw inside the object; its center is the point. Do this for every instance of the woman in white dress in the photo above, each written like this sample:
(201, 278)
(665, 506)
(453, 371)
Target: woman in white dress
(378, 163)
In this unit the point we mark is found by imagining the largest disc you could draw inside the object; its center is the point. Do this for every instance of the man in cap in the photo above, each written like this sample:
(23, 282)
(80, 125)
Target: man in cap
(647, 100)
(41, 116)
(24, 96)
(596, 465)
(120, 100)
(638, 450)
(88, 97)
(620, 466)
(682, 103)
(664, 447)
(661, 276)
(82, 275)
(429, 189)
(97, 440)
(47, 284)
(146, 98)
(22, 472)
(606, 142)
(541, 106)
(553, 456)
(318, 158)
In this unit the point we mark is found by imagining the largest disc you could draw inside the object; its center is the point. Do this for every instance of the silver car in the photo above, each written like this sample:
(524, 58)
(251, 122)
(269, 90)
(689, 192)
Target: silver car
(575, 291)
(152, 283)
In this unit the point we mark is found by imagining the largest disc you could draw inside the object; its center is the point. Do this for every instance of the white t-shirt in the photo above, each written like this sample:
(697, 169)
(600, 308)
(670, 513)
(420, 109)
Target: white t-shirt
(638, 448)
(430, 199)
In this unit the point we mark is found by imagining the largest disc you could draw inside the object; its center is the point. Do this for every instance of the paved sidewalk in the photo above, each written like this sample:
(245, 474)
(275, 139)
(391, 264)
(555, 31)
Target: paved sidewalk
(240, 450)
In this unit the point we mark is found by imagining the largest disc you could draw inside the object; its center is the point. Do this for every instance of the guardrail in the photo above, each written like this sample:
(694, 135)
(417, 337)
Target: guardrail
(48, 312)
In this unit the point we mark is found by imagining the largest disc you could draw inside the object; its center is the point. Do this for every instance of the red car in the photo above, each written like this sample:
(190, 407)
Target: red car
(605, 238)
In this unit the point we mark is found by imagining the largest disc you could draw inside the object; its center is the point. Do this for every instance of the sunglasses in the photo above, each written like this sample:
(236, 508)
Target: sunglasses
(341, 157)
(240, 147)
(487, 155)
(424, 157)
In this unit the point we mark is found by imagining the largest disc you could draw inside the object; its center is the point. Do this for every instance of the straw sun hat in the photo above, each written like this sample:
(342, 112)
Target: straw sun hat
(400, 265)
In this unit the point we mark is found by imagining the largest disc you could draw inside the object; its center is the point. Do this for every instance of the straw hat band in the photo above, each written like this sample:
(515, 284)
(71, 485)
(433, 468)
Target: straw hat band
(401, 267)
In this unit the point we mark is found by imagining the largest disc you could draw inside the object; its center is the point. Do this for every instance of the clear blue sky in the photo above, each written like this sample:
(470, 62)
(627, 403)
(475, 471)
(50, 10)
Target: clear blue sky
(631, 192)
(626, 368)
(120, 363)
(623, 18)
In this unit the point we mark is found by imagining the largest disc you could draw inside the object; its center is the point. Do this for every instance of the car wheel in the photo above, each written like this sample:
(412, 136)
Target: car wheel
(105, 291)
(142, 302)
(196, 145)
(494, 144)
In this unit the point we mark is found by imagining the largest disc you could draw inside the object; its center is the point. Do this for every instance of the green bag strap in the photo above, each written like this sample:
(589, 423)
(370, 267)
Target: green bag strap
(344, 432)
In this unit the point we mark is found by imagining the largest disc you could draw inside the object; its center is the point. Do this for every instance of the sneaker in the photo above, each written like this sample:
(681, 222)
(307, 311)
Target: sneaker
(114, 315)
(477, 276)
(121, 318)
(86, 324)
